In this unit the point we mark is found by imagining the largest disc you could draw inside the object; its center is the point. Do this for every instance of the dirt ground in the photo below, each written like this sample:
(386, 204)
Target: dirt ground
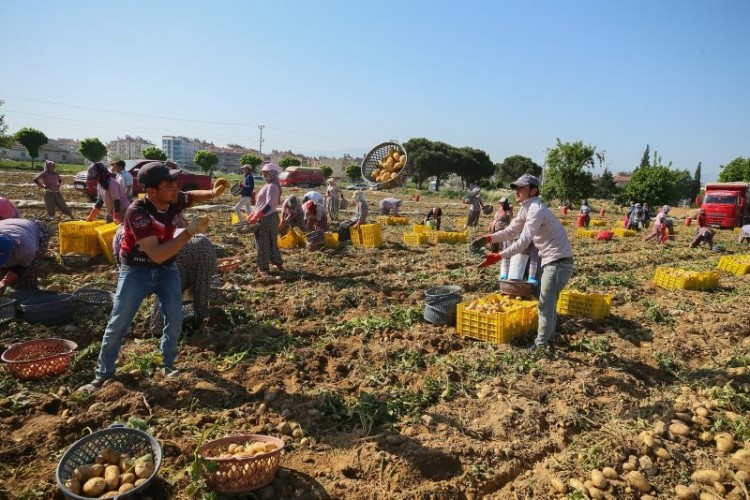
(333, 356)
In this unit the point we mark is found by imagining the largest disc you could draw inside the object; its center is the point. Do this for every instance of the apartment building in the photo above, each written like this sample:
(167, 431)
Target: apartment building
(129, 148)
(182, 150)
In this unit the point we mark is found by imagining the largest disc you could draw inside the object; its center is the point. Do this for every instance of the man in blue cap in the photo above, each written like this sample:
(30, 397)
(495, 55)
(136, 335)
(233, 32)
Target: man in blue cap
(536, 223)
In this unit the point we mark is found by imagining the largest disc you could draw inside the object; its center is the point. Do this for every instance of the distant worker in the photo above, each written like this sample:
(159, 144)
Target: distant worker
(390, 206)
(123, 177)
(267, 216)
(50, 181)
(23, 243)
(247, 186)
(433, 218)
(744, 236)
(701, 220)
(585, 211)
(704, 235)
(109, 193)
(474, 200)
(333, 199)
(292, 215)
(8, 210)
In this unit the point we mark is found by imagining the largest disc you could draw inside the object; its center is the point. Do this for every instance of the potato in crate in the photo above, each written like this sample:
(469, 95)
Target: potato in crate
(106, 234)
(671, 278)
(419, 228)
(79, 237)
(496, 318)
(584, 305)
(585, 233)
(392, 220)
(367, 235)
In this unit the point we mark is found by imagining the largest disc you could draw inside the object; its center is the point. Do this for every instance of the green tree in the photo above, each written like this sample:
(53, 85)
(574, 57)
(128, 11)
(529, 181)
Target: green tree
(645, 157)
(737, 170)
(32, 139)
(606, 188)
(289, 161)
(206, 160)
(658, 185)
(696, 185)
(428, 158)
(566, 177)
(154, 153)
(92, 149)
(472, 165)
(252, 160)
(5, 140)
(327, 171)
(515, 166)
(353, 171)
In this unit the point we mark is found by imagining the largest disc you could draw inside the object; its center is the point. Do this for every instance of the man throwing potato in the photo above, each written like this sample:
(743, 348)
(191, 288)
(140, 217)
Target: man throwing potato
(147, 255)
(536, 223)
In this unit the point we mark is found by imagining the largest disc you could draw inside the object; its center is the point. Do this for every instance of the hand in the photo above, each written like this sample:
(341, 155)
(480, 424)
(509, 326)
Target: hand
(116, 218)
(92, 215)
(220, 185)
(255, 217)
(480, 242)
(534, 281)
(491, 258)
(198, 225)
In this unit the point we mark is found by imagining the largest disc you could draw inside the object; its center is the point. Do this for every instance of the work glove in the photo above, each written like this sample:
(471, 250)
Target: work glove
(9, 279)
(198, 225)
(491, 258)
(93, 214)
(116, 218)
(480, 242)
(220, 185)
(255, 217)
(534, 281)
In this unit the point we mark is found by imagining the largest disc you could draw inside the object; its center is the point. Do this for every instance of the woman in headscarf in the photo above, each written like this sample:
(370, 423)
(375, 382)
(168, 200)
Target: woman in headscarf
(333, 198)
(50, 181)
(360, 216)
(291, 215)
(474, 200)
(23, 243)
(267, 217)
(8, 210)
(109, 193)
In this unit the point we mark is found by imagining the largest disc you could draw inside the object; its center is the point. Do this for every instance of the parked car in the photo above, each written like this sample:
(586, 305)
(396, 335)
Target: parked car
(301, 176)
(357, 186)
(187, 181)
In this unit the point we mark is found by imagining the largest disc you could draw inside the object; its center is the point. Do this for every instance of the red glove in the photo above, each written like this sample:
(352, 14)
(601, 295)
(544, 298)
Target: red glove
(255, 217)
(93, 214)
(490, 259)
(116, 218)
(9, 279)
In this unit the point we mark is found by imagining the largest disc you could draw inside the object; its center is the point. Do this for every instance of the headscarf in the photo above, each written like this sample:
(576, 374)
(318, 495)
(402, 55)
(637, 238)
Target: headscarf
(359, 196)
(272, 170)
(292, 202)
(8, 210)
(475, 191)
(331, 181)
(49, 165)
(99, 172)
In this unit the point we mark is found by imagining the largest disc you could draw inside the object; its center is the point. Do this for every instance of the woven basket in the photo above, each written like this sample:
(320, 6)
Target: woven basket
(516, 287)
(133, 442)
(75, 260)
(49, 309)
(7, 310)
(228, 264)
(38, 358)
(245, 227)
(236, 190)
(237, 475)
(90, 299)
(438, 317)
(370, 163)
(487, 209)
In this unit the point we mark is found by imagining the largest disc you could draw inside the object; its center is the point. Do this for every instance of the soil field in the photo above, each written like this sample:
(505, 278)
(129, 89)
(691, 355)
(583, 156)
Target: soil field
(332, 356)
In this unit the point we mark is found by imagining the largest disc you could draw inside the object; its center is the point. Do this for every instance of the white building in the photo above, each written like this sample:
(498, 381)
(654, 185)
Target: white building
(129, 148)
(181, 149)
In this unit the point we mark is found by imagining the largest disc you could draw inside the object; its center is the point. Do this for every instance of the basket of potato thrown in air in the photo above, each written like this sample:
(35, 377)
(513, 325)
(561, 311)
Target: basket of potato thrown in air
(385, 165)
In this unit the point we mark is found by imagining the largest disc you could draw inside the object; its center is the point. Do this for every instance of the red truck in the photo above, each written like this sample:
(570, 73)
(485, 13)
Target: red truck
(187, 181)
(301, 176)
(727, 204)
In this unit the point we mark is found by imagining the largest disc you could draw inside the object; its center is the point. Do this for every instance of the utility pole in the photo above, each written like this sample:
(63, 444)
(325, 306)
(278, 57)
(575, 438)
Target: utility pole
(260, 142)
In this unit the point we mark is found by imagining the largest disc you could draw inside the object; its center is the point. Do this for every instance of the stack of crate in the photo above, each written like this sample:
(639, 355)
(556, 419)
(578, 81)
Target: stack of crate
(584, 305)
(496, 318)
(735, 264)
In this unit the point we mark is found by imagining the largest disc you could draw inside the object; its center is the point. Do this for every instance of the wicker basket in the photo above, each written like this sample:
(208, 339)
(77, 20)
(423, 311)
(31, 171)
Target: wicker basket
(237, 475)
(371, 162)
(49, 309)
(7, 310)
(487, 209)
(228, 264)
(38, 358)
(516, 287)
(75, 259)
(91, 299)
(236, 190)
(133, 442)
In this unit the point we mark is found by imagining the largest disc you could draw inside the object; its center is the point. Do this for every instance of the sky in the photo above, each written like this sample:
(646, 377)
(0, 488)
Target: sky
(335, 77)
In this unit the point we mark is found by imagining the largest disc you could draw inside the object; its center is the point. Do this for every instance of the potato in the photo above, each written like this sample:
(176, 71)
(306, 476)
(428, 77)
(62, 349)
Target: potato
(741, 459)
(128, 477)
(109, 494)
(599, 480)
(126, 464)
(73, 485)
(683, 492)
(724, 442)
(126, 487)
(94, 487)
(706, 476)
(639, 481)
(610, 473)
(558, 485)
(144, 466)
(139, 482)
(85, 472)
(108, 456)
(112, 477)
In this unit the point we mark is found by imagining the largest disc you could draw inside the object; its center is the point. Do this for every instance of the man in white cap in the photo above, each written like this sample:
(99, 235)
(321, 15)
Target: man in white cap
(247, 186)
(536, 223)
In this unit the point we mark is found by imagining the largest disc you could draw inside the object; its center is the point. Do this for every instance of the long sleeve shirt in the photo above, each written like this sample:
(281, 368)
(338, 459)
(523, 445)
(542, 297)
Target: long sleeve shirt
(268, 195)
(536, 223)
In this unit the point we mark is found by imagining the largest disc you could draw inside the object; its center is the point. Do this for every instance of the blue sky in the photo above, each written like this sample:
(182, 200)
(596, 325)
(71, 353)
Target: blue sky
(342, 76)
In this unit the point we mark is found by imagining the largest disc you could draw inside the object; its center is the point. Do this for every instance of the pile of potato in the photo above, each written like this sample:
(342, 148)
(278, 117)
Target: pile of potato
(497, 304)
(113, 474)
(389, 167)
(245, 450)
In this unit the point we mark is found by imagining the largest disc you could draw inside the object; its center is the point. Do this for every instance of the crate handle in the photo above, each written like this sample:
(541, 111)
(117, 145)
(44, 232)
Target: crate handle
(116, 425)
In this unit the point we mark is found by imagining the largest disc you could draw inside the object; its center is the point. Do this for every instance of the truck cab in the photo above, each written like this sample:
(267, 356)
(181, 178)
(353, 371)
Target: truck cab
(301, 176)
(727, 204)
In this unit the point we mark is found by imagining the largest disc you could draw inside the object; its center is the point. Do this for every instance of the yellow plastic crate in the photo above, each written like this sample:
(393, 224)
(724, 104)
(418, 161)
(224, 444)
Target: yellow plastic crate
(598, 222)
(234, 218)
(735, 264)
(435, 237)
(737, 229)
(79, 237)
(106, 234)
(518, 319)
(585, 233)
(367, 235)
(564, 222)
(391, 220)
(624, 233)
(292, 239)
(331, 240)
(584, 305)
(415, 239)
(671, 278)
(418, 228)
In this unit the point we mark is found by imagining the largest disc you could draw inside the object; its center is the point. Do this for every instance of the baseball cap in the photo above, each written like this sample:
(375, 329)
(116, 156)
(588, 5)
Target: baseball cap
(525, 180)
(152, 174)
(246, 166)
(7, 242)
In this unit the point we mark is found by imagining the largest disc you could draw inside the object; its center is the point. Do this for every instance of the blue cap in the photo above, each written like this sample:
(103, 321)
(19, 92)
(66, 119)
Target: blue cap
(525, 180)
(7, 244)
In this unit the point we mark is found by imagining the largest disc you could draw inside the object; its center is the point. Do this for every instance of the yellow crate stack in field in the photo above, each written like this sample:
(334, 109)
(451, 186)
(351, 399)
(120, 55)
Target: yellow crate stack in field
(584, 305)
(79, 237)
(105, 235)
(419, 228)
(292, 239)
(624, 233)
(585, 233)
(598, 222)
(435, 237)
(415, 239)
(367, 235)
(391, 220)
(735, 264)
(331, 239)
(496, 318)
(672, 278)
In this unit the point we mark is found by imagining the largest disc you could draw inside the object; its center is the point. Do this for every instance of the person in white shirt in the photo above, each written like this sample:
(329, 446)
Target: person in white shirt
(536, 223)
(123, 178)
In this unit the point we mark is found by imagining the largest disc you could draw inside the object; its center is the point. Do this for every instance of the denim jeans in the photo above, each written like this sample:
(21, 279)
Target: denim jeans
(134, 284)
(554, 277)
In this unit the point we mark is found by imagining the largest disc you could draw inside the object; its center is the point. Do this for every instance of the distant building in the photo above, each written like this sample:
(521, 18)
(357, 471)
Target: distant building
(129, 148)
(229, 157)
(622, 179)
(182, 150)
(47, 152)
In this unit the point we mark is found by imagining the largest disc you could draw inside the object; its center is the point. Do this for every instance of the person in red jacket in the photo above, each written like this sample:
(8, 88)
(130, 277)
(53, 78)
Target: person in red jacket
(701, 219)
